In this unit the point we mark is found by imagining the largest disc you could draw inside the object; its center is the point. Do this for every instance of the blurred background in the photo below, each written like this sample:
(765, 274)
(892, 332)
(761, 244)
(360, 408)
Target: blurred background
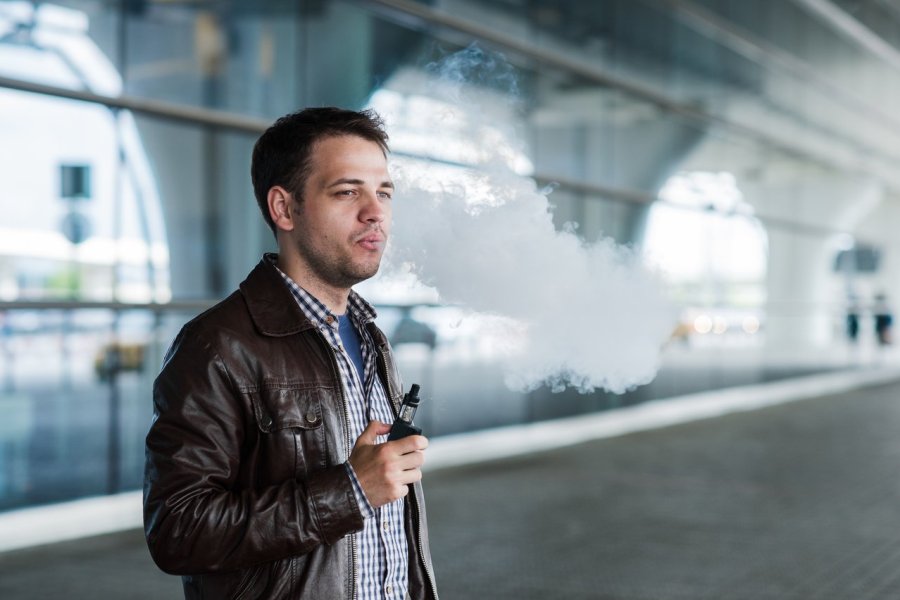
(749, 151)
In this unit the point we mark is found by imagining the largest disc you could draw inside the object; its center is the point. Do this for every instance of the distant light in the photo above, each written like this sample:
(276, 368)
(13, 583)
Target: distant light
(52, 16)
(9, 290)
(844, 241)
(720, 325)
(703, 324)
(750, 325)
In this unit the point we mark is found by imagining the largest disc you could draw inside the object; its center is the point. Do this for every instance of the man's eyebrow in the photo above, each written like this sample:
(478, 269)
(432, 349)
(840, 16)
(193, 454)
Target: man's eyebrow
(352, 181)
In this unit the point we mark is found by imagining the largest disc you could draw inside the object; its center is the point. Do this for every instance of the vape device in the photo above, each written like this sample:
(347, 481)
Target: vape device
(403, 425)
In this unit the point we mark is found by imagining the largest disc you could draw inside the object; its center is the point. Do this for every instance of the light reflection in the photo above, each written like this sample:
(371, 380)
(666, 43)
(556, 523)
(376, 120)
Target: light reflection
(705, 242)
(703, 324)
(720, 325)
(124, 258)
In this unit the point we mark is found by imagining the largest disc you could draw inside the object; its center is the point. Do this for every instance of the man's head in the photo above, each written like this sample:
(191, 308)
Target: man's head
(322, 182)
(282, 156)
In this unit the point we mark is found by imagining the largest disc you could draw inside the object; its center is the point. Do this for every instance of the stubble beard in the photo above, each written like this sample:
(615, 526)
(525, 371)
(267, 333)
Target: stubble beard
(334, 269)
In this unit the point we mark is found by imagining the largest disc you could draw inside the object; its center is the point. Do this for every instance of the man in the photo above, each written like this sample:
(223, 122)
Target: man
(268, 474)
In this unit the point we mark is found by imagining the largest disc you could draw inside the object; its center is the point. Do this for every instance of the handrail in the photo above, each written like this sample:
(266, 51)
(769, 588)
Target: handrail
(195, 115)
(188, 305)
(174, 306)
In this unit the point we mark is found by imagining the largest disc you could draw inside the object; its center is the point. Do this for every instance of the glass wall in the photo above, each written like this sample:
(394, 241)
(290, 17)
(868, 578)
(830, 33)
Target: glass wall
(740, 149)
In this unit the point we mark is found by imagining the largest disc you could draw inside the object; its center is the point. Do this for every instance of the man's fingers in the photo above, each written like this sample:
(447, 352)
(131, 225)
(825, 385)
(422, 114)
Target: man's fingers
(410, 460)
(409, 444)
(410, 476)
(401, 491)
(371, 432)
(403, 479)
(379, 428)
(385, 470)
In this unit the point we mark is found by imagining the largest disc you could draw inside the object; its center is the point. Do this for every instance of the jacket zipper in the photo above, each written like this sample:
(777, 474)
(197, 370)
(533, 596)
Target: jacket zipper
(419, 532)
(335, 373)
(422, 550)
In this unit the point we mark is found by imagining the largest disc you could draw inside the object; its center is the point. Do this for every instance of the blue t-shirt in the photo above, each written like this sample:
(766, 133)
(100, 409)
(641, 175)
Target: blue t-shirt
(350, 339)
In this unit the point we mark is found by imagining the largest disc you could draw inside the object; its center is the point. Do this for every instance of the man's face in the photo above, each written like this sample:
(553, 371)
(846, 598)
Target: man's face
(343, 220)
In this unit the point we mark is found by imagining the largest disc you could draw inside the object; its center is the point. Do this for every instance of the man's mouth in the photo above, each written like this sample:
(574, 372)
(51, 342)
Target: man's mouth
(371, 241)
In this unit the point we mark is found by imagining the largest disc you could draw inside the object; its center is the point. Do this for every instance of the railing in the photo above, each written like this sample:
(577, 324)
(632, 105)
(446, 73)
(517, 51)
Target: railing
(76, 380)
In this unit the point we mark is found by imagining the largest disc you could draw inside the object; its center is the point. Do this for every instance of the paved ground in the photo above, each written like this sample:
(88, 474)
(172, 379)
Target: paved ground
(798, 501)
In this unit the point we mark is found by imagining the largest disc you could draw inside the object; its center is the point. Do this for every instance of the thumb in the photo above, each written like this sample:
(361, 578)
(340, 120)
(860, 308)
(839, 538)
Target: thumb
(371, 432)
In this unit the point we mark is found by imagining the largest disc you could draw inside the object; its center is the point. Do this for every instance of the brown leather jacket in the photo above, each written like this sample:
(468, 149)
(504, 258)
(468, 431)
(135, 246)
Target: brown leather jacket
(245, 491)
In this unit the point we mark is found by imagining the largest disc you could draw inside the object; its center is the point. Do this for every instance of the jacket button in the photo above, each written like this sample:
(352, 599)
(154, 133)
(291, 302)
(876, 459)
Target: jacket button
(266, 421)
(311, 416)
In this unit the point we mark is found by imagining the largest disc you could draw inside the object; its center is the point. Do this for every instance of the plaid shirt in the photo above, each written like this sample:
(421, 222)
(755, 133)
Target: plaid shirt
(383, 560)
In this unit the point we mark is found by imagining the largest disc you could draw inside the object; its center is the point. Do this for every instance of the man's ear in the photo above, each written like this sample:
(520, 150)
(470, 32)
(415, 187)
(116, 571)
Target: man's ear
(280, 201)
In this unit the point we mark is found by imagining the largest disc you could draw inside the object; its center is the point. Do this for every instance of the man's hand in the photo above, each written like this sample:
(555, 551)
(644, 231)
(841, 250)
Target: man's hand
(384, 470)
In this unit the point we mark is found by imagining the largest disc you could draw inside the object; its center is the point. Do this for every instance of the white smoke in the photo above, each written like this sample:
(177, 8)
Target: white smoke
(586, 315)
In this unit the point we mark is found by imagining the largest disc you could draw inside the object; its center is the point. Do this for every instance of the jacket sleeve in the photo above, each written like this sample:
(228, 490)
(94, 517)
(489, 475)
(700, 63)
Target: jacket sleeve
(196, 520)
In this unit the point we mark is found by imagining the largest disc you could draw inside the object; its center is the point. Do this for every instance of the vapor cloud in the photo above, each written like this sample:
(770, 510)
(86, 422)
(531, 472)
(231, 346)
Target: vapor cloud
(587, 315)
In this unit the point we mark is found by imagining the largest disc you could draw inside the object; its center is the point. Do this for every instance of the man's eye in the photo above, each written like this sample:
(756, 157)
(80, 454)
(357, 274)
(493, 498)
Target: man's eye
(346, 192)
(384, 195)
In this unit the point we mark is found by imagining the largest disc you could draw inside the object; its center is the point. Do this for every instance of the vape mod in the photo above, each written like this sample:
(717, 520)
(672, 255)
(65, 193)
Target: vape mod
(403, 425)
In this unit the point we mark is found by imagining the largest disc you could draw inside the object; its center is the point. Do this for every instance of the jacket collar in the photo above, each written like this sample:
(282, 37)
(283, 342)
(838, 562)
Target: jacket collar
(272, 308)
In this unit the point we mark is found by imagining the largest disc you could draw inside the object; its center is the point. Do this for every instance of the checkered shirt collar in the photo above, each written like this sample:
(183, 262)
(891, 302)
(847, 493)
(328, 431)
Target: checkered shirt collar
(357, 308)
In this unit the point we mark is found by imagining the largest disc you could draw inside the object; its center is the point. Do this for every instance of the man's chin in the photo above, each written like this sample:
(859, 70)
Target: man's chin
(360, 274)
(368, 274)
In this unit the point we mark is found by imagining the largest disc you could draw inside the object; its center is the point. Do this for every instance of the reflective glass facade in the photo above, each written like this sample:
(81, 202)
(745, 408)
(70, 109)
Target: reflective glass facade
(749, 149)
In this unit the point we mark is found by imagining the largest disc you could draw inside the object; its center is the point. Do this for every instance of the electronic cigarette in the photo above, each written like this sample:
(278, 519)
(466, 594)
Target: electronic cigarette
(403, 425)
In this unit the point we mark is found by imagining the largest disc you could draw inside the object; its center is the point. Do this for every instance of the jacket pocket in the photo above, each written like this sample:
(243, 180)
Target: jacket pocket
(277, 408)
(290, 421)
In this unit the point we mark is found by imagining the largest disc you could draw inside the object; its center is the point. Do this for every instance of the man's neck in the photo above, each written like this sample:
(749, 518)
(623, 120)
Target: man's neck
(334, 298)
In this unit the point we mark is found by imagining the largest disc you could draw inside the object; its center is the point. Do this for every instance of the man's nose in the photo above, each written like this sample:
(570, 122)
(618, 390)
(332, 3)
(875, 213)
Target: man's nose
(373, 210)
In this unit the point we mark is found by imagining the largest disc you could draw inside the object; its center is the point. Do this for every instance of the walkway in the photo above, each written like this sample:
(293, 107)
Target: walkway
(796, 501)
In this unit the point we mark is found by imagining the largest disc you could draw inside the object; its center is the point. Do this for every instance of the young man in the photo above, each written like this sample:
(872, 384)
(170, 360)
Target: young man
(268, 474)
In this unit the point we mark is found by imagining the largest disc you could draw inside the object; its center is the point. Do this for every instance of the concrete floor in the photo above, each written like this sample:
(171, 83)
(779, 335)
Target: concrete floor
(798, 501)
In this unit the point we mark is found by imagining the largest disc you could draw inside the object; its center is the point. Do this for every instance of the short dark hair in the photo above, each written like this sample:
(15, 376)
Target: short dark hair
(283, 153)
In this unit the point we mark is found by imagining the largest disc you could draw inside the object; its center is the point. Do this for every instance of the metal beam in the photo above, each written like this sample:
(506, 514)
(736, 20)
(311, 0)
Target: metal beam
(198, 116)
(766, 55)
(193, 115)
(844, 23)
(188, 306)
(410, 13)
(174, 306)
(406, 10)
(205, 117)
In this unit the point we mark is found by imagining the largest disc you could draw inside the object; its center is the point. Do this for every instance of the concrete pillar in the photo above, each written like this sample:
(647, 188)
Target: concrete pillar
(593, 135)
(879, 229)
(805, 297)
